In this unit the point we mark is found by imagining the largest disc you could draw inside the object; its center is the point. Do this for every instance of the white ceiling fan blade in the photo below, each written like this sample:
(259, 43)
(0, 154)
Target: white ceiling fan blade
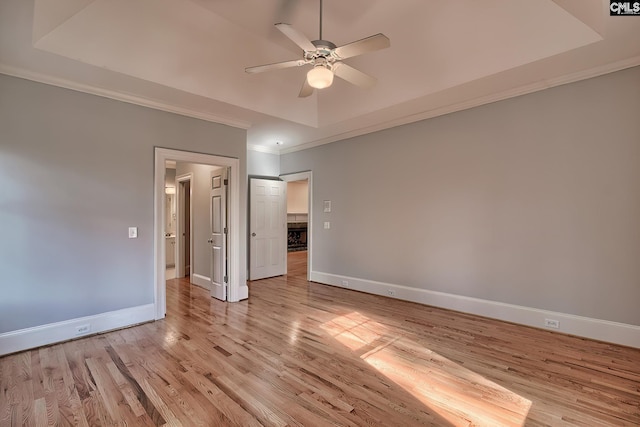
(276, 66)
(306, 89)
(370, 44)
(353, 76)
(296, 37)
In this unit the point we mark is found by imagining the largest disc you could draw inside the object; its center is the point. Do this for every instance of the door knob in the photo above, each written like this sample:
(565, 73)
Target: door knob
(253, 234)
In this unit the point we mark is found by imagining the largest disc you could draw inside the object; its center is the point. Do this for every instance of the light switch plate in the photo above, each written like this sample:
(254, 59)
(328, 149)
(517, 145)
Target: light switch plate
(133, 232)
(327, 206)
(327, 225)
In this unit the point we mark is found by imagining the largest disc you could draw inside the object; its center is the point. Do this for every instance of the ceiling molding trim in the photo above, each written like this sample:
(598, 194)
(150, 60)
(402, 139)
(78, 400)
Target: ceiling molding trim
(511, 93)
(118, 96)
(261, 149)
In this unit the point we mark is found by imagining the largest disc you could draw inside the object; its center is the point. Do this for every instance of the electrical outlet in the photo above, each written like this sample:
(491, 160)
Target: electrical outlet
(552, 323)
(345, 283)
(83, 329)
(391, 292)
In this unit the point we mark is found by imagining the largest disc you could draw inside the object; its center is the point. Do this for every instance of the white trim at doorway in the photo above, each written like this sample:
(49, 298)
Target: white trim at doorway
(237, 290)
(301, 176)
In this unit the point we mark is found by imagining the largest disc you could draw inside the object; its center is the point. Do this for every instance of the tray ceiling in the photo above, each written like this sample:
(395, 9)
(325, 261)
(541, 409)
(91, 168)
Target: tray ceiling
(189, 56)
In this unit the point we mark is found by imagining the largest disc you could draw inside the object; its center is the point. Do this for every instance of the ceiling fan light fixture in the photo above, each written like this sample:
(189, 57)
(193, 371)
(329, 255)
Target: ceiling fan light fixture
(320, 77)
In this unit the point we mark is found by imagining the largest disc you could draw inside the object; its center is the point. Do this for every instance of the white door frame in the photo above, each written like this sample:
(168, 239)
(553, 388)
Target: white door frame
(181, 214)
(301, 176)
(218, 217)
(237, 290)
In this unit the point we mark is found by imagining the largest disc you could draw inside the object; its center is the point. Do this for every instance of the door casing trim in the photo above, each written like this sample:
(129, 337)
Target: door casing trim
(237, 290)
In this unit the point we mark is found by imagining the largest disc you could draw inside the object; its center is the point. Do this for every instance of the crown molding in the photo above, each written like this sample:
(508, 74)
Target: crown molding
(118, 96)
(423, 115)
(488, 99)
(262, 149)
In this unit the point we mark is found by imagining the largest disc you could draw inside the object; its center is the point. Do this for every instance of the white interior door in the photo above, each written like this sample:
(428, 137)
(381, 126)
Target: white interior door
(219, 232)
(267, 228)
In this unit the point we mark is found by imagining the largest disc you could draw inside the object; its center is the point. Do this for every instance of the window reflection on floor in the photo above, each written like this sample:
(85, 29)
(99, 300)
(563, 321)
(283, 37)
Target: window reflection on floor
(441, 384)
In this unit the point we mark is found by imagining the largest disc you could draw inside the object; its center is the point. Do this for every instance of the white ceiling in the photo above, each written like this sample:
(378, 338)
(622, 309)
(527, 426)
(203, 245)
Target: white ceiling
(188, 56)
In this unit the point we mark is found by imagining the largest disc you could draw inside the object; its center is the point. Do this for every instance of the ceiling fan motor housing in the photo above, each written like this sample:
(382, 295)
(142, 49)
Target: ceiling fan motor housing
(322, 58)
(323, 53)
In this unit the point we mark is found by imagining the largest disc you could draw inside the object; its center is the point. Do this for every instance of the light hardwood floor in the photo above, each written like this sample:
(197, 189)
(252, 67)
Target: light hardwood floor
(304, 354)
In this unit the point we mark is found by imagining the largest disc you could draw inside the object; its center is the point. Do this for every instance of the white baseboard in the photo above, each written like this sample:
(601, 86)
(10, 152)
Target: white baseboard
(205, 282)
(243, 292)
(602, 330)
(202, 281)
(23, 339)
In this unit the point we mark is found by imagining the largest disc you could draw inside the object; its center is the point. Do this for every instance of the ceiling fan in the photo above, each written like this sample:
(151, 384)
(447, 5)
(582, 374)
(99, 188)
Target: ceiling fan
(326, 59)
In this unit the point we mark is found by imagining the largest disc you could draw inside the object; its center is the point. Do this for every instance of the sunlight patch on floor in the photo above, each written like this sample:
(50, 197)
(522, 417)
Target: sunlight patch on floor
(355, 331)
(454, 392)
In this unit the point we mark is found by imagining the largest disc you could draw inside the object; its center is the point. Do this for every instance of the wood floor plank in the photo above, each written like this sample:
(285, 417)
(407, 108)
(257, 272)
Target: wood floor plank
(303, 354)
(229, 411)
(153, 389)
(40, 411)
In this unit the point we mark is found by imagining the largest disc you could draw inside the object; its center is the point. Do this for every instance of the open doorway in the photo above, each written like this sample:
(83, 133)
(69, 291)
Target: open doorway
(235, 278)
(184, 214)
(201, 249)
(299, 223)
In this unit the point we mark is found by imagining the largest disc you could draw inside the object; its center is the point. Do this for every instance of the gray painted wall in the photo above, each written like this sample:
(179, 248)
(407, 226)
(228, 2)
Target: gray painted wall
(533, 201)
(263, 164)
(75, 171)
